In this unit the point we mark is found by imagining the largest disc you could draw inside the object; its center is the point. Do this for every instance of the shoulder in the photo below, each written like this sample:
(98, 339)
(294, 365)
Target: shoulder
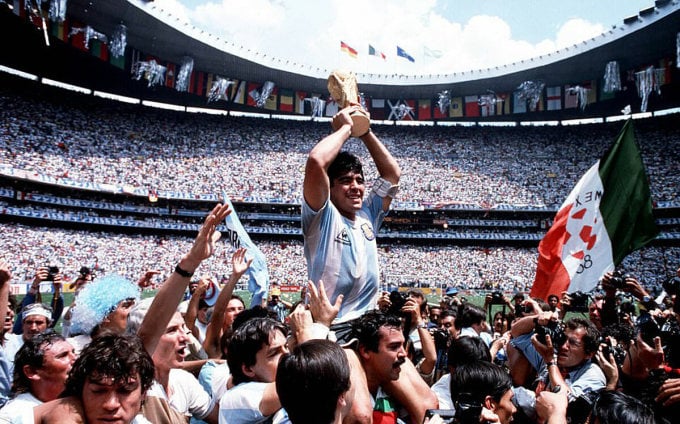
(67, 410)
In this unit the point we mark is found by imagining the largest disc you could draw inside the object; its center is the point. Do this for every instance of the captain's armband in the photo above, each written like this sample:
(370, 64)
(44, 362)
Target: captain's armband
(384, 188)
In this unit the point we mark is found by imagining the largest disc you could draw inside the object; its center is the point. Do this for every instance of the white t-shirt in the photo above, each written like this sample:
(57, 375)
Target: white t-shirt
(19, 409)
(241, 405)
(188, 396)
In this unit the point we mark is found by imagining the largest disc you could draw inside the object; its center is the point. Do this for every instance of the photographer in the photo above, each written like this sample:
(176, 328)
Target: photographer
(482, 391)
(563, 348)
(33, 295)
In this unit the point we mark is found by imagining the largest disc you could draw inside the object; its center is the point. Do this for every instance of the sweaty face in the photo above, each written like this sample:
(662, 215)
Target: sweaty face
(106, 401)
(347, 193)
(572, 352)
(58, 358)
(267, 359)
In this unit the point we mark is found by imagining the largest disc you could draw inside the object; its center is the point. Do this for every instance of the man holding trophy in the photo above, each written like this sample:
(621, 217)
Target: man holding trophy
(339, 226)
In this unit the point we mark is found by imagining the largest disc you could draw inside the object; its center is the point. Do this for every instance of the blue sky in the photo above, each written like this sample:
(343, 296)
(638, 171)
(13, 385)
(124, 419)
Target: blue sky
(464, 35)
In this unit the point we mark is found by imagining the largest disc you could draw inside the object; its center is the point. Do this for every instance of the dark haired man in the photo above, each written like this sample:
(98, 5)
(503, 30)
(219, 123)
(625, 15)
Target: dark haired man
(567, 364)
(482, 392)
(313, 382)
(339, 226)
(40, 370)
(391, 377)
(253, 355)
(107, 383)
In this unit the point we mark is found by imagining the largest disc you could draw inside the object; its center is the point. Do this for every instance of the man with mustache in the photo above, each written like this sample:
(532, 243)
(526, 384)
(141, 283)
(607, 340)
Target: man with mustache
(380, 348)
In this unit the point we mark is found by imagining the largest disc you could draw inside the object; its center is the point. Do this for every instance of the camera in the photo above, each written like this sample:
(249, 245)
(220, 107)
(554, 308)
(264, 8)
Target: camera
(617, 351)
(52, 272)
(579, 302)
(497, 298)
(648, 328)
(618, 279)
(441, 338)
(554, 329)
(397, 301)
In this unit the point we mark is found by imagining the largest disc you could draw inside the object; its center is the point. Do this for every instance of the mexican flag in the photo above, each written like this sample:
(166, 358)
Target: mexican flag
(607, 215)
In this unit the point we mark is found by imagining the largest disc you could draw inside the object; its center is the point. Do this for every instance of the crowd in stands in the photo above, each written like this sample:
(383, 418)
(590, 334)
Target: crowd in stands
(193, 153)
(474, 268)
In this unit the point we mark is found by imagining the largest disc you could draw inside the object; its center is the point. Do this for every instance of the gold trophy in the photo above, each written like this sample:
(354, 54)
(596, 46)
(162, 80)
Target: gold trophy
(342, 86)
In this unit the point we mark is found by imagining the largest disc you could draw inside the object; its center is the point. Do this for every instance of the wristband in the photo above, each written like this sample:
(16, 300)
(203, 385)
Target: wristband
(421, 325)
(183, 273)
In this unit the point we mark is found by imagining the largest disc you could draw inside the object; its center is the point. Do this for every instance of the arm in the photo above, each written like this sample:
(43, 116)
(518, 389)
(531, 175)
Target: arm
(239, 265)
(552, 407)
(426, 340)
(384, 161)
(31, 297)
(57, 303)
(192, 308)
(316, 186)
(171, 292)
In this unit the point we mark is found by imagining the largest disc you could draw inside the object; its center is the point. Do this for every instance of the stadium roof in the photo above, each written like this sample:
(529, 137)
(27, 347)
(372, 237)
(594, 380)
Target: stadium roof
(639, 40)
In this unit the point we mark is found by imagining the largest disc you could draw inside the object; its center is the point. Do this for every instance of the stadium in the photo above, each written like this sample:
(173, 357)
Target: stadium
(92, 175)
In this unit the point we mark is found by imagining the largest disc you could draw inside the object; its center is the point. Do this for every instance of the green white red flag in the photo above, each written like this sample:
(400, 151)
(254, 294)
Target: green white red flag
(606, 216)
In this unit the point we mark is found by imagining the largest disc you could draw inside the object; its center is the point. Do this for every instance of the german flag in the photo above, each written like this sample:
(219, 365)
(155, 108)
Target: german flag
(347, 49)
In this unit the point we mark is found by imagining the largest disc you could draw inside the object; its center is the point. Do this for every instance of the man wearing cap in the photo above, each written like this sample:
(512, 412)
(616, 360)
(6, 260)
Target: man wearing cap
(35, 318)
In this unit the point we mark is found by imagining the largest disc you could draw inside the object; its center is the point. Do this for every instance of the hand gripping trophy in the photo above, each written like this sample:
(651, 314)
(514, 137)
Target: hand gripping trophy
(342, 86)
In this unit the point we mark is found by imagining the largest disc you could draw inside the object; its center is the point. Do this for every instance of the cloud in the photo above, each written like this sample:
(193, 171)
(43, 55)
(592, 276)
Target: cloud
(309, 33)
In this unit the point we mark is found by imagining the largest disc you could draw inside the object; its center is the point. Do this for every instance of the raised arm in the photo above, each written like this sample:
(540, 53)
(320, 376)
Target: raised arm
(316, 185)
(387, 166)
(171, 292)
(213, 332)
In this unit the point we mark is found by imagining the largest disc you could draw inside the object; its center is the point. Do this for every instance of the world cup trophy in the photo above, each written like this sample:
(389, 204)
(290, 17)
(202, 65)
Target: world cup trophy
(342, 86)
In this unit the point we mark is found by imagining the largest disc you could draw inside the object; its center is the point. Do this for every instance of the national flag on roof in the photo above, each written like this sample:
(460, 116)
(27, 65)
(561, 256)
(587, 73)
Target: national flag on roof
(607, 215)
(347, 49)
(373, 52)
(402, 53)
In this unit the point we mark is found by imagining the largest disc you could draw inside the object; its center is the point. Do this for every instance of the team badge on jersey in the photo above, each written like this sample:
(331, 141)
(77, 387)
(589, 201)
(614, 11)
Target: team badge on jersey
(368, 232)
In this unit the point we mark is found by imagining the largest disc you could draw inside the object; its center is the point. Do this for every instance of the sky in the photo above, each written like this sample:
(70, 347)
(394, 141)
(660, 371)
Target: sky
(460, 35)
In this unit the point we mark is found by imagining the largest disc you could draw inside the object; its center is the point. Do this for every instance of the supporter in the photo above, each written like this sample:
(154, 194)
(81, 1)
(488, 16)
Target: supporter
(40, 370)
(34, 296)
(380, 348)
(471, 321)
(108, 382)
(102, 305)
(253, 355)
(5, 363)
(482, 391)
(277, 305)
(35, 318)
(313, 382)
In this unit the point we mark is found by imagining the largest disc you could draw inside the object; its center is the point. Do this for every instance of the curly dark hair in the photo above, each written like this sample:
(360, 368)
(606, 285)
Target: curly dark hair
(32, 353)
(591, 340)
(344, 162)
(110, 355)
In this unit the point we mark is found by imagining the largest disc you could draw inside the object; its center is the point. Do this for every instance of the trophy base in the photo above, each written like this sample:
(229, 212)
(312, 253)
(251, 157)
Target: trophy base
(360, 123)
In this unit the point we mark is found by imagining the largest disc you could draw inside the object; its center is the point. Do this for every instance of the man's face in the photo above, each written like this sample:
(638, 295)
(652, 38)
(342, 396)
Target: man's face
(58, 357)
(385, 364)
(234, 307)
(572, 352)
(117, 319)
(594, 313)
(172, 345)
(267, 359)
(505, 408)
(34, 324)
(434, 315)
(105, 401)
(552, 302)
(347, 193)
(448, 323)
(9, 318)
(202, 315)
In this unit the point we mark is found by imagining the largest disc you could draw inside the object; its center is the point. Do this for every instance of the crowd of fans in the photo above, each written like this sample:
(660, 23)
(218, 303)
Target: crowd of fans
(508, 269)
(183, 152)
